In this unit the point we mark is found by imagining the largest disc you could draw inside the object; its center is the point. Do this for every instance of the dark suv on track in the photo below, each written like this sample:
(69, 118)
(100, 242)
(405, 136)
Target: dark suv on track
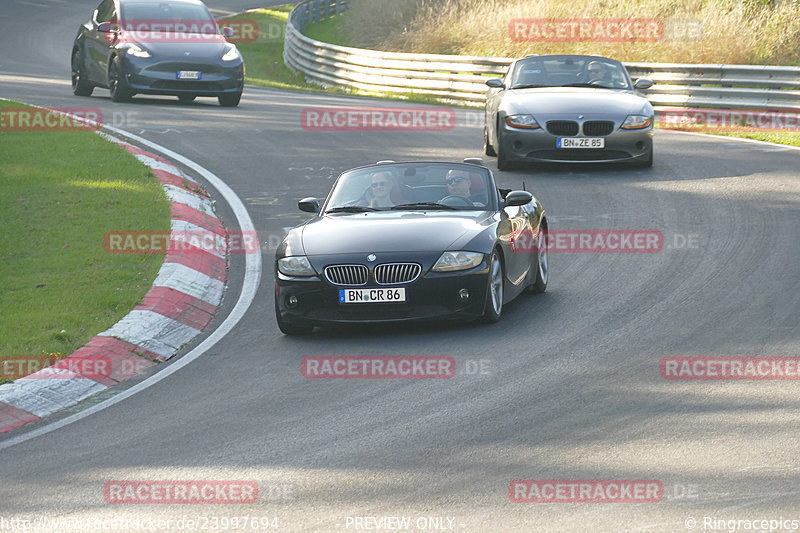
(172, 47)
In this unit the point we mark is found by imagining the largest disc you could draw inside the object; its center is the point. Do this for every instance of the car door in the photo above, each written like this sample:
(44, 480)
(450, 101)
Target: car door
(99, 44)
(514, 233)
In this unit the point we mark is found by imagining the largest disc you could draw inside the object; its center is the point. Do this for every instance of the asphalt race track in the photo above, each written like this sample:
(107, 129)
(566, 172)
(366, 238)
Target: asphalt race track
(568, 384)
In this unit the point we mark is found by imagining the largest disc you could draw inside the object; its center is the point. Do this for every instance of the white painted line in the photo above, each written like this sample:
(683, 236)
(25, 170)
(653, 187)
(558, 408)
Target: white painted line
(152, 331)
(192, 282)
(46, 396)
(182, 196)
(252, 278)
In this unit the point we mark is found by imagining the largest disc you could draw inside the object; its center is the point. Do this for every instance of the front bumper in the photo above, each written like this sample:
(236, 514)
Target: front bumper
(432, 296)
(160, 76)
(539, 145)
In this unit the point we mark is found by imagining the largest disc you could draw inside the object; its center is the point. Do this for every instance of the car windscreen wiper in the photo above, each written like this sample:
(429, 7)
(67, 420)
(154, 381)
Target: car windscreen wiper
(351, 209)
(594, 85)
(527, 86)
(424, 205)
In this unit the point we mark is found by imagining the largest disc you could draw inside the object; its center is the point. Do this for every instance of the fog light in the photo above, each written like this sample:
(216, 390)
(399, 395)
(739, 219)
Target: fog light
(640, 145)
(517, 145)
(463, 294)
(292, 300)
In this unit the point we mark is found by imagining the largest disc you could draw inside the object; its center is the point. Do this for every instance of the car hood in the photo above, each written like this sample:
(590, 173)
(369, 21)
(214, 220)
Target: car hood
(395, 231)
(554, 101)
(165, 45)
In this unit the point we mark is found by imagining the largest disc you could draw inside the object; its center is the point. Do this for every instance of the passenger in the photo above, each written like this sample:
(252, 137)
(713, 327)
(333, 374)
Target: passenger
(381, 187)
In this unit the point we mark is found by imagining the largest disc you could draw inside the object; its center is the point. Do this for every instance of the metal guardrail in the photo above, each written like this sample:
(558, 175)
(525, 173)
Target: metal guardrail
(462, 78)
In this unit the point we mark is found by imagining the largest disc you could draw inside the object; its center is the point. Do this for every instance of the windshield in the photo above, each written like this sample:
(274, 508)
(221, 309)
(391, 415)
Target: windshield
(179, 17)
(413, 186)
(569, 71)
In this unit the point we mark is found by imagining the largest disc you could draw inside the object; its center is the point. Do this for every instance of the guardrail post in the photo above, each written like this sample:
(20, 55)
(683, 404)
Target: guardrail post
(317, 10)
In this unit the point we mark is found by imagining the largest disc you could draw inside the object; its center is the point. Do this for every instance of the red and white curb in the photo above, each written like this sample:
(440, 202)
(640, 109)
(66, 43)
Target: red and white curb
(184, 297)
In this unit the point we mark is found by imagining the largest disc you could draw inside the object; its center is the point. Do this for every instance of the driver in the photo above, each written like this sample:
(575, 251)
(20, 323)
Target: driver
(458, 184)
(599, 72)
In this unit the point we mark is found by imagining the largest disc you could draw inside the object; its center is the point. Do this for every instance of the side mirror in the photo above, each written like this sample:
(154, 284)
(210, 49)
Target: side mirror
(228, 32)
(309, 205)
(516, 198)
(642, 84)
(495, 83)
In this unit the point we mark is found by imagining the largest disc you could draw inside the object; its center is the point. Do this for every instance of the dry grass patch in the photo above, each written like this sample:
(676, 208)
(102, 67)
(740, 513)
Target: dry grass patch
(731, 31)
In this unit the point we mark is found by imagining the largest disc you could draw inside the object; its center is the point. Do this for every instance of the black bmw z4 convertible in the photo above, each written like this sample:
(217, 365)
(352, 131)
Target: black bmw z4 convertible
(410, 241)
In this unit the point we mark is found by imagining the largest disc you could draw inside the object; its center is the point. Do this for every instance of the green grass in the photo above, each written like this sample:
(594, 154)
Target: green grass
(790, 138)
(329, 30)
(264, 58)
(60, 192)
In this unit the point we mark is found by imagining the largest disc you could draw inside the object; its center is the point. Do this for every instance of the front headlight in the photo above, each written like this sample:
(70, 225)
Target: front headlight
(297, 265)
(137, 51)
(453, 261)
(522, 121)
(232, 54)
(636, 122)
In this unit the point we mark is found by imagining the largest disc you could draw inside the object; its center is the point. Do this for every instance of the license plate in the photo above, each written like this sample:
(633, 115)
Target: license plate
(369, 296)
(580, 142)
(189, 74)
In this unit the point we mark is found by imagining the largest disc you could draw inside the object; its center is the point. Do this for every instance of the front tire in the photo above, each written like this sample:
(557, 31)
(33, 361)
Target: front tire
(80, 85)
(117, 84)
(488, 149)
(229, 100)
(494, 292)
(542, 267)
(502, 153)
(647, 163)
